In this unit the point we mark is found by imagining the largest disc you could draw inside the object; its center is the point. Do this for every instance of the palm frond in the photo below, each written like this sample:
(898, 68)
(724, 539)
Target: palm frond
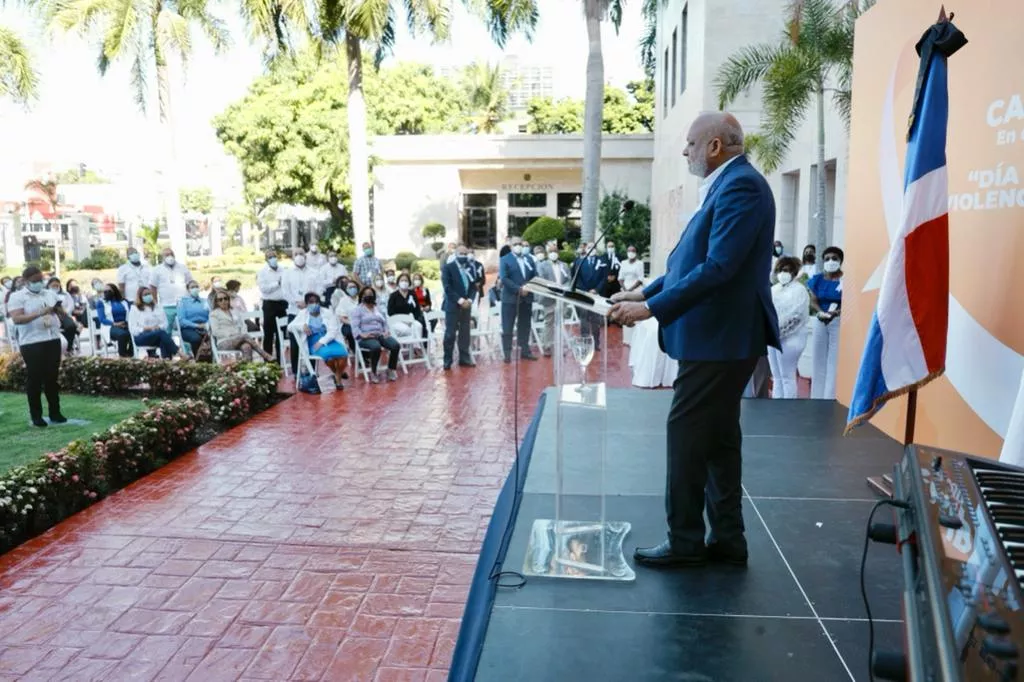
(789, 86)
(505, 18)
(215, 30)
(648, 44)
(366, 18)
(173, 34)
(744, 69)
(429, 16)
(74, 15)
(18, 78)
(122, 21)
(138, 71)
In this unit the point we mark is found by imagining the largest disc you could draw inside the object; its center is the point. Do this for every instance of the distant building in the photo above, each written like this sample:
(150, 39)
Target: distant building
(484, 188)
(524, 81)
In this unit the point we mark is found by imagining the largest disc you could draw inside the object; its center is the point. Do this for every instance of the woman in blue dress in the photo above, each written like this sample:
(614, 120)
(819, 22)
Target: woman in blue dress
(319, 326)
(826, 303)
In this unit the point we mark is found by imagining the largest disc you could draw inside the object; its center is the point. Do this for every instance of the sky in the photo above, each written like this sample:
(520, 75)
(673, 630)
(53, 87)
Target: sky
(81, 117)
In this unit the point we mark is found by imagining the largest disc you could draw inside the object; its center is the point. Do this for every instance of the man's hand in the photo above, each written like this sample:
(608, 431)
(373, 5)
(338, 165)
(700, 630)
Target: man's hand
(318, 345)
(628, 313)
(465, 303)
(523, 291)
(626, 296)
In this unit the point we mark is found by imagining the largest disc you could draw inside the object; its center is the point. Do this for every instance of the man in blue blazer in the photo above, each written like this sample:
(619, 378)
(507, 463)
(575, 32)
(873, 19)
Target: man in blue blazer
(515, 269)
(592, 278)
(715, 316)
(459, 292)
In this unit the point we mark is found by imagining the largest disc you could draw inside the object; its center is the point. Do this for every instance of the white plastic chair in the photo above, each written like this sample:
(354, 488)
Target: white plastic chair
(257, 317)
(407, 344)
(435, 338)
(221, 355)
(284, 345)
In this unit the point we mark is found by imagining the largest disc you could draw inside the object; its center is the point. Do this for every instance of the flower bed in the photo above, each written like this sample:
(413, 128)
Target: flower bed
(38, 495)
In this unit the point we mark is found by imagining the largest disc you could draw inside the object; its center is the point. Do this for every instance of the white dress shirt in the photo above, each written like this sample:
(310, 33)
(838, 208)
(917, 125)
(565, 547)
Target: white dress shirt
(141, 317)
(329, 274)
(131, 277)
(332, 330)
(44, 328)
(705, 186)
(297, 282)
(170, 283)
(268, 280)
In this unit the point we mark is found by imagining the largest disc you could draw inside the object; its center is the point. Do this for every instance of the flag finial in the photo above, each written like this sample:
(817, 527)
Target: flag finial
(942, 15)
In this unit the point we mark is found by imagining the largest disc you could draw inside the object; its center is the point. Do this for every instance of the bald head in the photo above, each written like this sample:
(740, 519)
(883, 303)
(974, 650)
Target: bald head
(714, 138)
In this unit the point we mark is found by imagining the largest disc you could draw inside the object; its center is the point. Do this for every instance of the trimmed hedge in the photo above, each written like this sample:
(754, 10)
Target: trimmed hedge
(544, 229)
(38, 495)
(428, 267)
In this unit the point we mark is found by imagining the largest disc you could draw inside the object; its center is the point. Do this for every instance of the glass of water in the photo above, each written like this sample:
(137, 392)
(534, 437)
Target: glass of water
(583, 351)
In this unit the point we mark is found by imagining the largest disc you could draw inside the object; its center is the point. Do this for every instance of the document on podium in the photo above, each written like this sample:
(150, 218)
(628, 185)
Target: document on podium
(592, 302)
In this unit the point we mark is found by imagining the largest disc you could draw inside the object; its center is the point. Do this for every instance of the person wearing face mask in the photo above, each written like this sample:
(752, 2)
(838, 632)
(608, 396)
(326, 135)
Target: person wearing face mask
(515, 270)
(7, 283)
(479, 274)
(170, 279)
(457, 280)
(593, 276)
(367, 267)
(380, 289)
(346, 297)
(390, 285)
(631, 271)
(194, 317)
(826, 304)
(269, 280)
(611, 285)
(112, 312)
(422, 295)
(314, 258)
(69, 328)
(79, 302)
(147, 324)
(132, 274)
(809, 268)
(330, 272)
(318, 328)
(371, 331)
(228, 329)
(403, 302)
(553, 270)
(297, 282)
(33, 311)
(792, 303)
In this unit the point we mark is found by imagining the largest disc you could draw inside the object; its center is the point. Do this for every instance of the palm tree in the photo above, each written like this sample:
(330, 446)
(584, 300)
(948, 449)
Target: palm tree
(488, 98)
(595, 12)
(373, 23)
(18, 79)
(48, 188)
(147, 33)
(813, 57)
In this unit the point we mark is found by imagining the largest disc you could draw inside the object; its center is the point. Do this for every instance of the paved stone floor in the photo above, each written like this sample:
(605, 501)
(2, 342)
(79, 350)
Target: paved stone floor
(330, 538)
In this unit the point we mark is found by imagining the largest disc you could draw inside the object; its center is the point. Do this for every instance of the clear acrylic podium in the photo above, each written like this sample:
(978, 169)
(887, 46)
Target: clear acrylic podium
(579, 542)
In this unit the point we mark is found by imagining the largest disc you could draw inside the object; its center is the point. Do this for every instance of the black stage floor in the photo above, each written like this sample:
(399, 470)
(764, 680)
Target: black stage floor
(794, 614)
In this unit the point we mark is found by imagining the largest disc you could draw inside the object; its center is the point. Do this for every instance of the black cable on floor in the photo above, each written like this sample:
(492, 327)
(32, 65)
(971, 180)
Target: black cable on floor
(863, 587)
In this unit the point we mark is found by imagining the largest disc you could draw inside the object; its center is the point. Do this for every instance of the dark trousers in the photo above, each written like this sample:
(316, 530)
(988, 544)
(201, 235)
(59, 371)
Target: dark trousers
(123, 338)
(42, 366)
(704, 455)
(456, 326)
(271, 311)
(346, 332)
(591, 323)
(373, 349)
(516, 311)
(294, 348)
(161, 339)
(194, 339)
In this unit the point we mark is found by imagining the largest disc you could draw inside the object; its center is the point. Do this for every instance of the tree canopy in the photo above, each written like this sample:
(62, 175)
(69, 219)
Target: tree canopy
(196, 199)
(625, 111)
(290, 132)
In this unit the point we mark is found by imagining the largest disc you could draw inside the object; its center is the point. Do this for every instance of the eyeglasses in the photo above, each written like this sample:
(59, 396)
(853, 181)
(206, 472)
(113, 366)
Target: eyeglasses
(222, 298)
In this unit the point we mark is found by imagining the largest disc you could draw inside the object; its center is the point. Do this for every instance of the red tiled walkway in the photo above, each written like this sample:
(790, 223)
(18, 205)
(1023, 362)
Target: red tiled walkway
(332, 537)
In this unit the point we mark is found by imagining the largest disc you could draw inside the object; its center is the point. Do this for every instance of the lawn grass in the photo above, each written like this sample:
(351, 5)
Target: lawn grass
(23, 442)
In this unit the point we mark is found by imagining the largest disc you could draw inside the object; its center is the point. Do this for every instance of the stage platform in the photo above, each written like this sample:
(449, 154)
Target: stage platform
(794, 614)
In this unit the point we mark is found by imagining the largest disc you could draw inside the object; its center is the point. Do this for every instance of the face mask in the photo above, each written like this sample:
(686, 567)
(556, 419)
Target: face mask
(74, 291)
(217, 284)
(631, 255)
(778, 250)
(367, 252)
(785, 277)
(147, 299)
(313, 308)
(98, 286)
(300, 261)
(194, 292)
(518, 250)
(403, 285)
(107, 296)
(391, 279)
(133, 258)
(552, 256)
(169, 261)
(7, 285)
(272, 262)
(378, 283)
(314, 249)
(352, 291)
(417, 283)
(35, 287)
(369, 299)
(462, 258)
(611, 250)
(332, 260)
(831, 266)
(55, 290)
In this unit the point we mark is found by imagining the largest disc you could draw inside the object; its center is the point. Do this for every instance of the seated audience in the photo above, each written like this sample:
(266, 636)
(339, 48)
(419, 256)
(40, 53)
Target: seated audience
(147, 323)
(370, 328)
(229, 331)
(403, 302)
(319, 330)
(193, 316)
(112, 311)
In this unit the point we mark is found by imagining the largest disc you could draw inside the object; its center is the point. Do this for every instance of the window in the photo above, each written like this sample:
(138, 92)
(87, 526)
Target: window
(534, 200)
(664, 85)
(675, 42)
(480, 221)
(570, 210)
(682, 52)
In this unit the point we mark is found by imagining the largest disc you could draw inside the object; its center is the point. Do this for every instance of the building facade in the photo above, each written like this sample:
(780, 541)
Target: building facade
(695, 38)
(484, 189)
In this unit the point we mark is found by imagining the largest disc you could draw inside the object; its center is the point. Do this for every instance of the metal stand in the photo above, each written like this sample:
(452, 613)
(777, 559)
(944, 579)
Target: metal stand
(883, 485)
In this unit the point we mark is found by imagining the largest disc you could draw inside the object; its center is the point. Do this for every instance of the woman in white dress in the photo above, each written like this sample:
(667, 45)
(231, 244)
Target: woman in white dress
(792, 305)
(631, 270)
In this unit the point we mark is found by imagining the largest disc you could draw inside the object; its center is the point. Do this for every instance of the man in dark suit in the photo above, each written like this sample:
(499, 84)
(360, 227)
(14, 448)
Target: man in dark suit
(715, 316)
(593, 274)
(515, 269)
(457, 280)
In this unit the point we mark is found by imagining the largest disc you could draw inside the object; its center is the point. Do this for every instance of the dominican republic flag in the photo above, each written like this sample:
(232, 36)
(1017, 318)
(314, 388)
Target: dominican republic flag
(906, 343)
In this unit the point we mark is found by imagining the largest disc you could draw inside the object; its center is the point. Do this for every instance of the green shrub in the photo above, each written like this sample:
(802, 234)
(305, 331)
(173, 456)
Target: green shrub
(544, 229)
(102, 258)
(567, 256)
(404, 260)
(428, 267)
(241, 255)
(434, 231)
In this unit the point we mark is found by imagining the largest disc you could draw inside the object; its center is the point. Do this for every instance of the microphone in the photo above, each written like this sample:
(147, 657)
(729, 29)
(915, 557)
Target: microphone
(627, 206)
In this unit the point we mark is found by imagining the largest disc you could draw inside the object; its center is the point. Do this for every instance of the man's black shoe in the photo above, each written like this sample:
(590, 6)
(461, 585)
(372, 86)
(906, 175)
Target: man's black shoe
(722, 555)
(663, 555)
(508, 360)
(58, 419)
(40, 422)
(528, 356)
(447, 366)
(467, 364)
